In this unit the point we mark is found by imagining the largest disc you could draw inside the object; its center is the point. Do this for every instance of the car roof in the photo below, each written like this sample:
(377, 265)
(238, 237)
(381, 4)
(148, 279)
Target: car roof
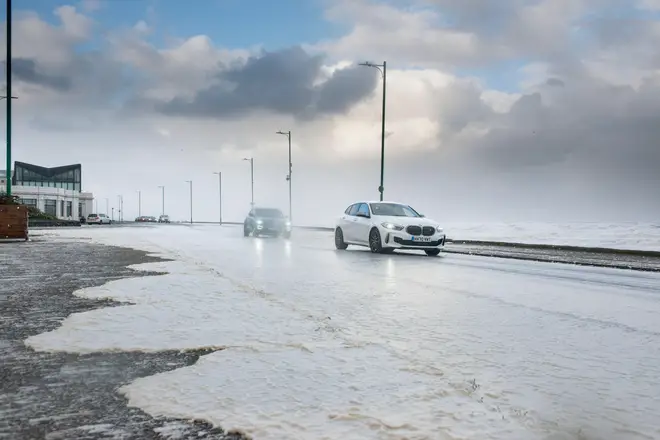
(381, 201)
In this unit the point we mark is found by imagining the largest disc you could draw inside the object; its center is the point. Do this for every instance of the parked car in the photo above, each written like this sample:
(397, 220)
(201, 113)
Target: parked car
(164, 219)
(386, 226)
(142, 219)
(98, 219)
(266, 221)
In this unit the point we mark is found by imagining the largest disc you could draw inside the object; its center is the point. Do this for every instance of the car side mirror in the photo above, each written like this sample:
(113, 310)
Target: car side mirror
(422, 215)
(360, 214)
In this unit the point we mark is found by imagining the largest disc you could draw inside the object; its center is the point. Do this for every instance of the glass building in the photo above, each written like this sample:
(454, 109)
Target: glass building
(65, 177)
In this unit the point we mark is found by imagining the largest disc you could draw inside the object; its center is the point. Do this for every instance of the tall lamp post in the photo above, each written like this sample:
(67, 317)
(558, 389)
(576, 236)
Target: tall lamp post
(9, 97)
(251, 160)
(191, 217)
(107, 206)
(288, 177)
(120, 207)
(163, 198)
(383, 70)
(139, 204)
(219, 173)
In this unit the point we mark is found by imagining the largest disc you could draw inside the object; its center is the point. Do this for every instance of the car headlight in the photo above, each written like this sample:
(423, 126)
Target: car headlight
(259, 222)
(392, 226)
(439, 229)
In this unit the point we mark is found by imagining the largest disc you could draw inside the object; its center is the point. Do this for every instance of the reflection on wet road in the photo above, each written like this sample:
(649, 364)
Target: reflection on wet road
(407, 346)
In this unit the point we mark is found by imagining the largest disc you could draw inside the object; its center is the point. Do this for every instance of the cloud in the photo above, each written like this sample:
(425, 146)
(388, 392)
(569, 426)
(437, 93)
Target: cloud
(26, 70)
(282, 82)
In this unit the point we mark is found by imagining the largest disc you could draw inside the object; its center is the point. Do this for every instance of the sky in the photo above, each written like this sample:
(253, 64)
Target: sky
(517, 110)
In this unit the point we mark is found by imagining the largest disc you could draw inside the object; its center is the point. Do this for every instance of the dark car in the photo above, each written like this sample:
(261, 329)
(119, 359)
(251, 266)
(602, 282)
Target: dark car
(266, 221)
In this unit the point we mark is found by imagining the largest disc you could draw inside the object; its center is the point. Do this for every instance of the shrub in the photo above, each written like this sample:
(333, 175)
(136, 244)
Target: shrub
(6, 199)
(36, 213)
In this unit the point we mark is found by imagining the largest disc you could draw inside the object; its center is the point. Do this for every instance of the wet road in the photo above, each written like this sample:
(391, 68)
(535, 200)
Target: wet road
(392, 346)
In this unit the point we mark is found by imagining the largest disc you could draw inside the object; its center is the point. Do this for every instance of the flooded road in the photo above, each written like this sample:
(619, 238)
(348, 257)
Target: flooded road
(345, 344)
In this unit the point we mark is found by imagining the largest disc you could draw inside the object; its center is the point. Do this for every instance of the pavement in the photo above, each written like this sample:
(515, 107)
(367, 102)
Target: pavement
(69, 396)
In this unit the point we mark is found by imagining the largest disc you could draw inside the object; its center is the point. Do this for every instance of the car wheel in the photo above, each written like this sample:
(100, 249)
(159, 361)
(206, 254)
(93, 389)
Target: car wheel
(246, 231)
(432, 252)
(339, 240)
(375, 243)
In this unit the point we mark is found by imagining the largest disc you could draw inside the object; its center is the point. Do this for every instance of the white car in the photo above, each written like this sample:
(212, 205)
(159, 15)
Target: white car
(386, 226)
(98, 219)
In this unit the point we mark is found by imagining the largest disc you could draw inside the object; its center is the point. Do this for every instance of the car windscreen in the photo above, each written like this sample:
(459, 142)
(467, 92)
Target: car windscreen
(268, 212)
(92, 215)
(393, 210)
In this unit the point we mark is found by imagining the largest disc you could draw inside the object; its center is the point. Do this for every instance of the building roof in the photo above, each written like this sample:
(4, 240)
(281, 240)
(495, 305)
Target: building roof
(44, 171)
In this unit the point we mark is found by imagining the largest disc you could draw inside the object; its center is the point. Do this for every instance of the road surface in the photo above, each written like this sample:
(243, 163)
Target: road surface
(320, 343)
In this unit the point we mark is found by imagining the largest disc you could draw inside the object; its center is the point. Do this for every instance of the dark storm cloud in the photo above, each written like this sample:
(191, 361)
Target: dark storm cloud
(27, 70)
(281, 82)
(554, 82)
(601, 128)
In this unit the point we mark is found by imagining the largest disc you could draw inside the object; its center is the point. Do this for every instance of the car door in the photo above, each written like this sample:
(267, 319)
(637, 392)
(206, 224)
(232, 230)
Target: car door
(347, 222)
(362, 225)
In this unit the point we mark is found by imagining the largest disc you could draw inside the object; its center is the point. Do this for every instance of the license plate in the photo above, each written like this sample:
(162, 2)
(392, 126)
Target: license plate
(421, 239)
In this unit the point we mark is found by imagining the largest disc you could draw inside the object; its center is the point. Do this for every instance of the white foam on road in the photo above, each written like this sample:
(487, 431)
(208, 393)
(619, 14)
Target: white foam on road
(630, 235)
(324, 344)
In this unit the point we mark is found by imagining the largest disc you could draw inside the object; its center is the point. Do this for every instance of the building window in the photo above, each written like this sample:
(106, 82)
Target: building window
(62, 208)
(30, 203)
(66, 177)
(69, 209)
(50, 207)
(80, 210)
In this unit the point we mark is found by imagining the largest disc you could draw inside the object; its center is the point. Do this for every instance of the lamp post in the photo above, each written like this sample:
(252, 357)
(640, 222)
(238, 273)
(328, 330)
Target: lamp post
(191, 217)
(113, 215)
(383, 70)
(288, 177)
(163, 196)
(120, 207)
(107, 205)
(219, 173)
(251, 160)
(11, 97)
(139, 204)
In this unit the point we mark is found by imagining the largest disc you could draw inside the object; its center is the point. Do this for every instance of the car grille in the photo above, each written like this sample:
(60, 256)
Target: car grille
(414, 230)
(428, 230)
(403, 242)
(270, 224)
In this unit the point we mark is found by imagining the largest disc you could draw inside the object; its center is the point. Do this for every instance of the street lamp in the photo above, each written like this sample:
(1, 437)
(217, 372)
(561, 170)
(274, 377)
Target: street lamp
(163, 195)
(251, 160)
(288, 177)
(107, 204)
(120, 203)
(219, 173)
(383, 70)
(190, 182)
(8, 71)
(139, 203)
